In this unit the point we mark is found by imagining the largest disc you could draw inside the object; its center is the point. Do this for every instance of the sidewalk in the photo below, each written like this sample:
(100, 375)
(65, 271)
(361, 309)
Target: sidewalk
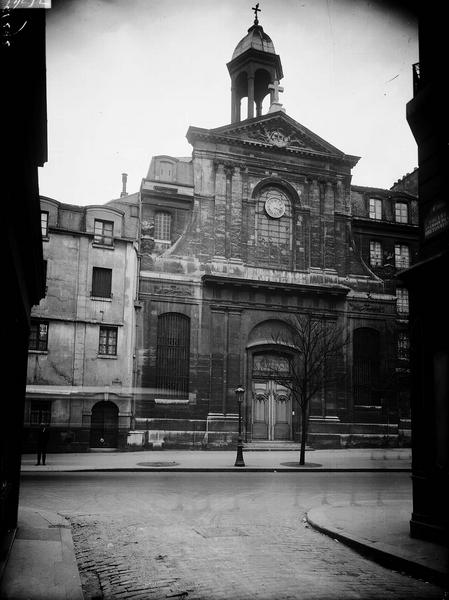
(42, 563)
(392, 459)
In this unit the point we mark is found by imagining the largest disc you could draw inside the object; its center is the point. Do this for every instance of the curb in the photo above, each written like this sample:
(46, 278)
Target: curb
(380, 553)
(220, 470)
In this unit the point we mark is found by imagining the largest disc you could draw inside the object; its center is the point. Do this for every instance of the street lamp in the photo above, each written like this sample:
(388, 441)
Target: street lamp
(239, 462)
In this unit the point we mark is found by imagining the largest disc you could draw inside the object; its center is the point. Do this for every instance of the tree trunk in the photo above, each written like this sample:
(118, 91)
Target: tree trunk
(302, 451)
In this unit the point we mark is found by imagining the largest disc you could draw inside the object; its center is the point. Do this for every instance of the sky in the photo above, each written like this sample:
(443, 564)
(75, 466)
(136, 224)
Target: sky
(126, 78)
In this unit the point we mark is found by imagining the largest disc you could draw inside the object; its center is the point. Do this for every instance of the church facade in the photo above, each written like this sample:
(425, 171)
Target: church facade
(259, 225)
(216, 255)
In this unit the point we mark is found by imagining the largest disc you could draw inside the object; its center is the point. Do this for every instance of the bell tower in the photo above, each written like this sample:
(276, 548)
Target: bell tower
(255, 71)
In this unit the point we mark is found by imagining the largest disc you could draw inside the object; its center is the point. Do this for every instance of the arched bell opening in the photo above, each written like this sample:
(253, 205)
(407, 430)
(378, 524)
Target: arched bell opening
(262, 80)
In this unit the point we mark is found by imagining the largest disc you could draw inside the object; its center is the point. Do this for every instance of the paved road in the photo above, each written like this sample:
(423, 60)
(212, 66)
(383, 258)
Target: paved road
(211, 536)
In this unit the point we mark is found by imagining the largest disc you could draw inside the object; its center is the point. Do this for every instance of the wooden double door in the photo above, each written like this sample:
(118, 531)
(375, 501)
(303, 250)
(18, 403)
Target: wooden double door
(271, 411)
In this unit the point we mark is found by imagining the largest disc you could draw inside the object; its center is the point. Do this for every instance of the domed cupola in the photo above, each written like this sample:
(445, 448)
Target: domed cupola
(255, 71)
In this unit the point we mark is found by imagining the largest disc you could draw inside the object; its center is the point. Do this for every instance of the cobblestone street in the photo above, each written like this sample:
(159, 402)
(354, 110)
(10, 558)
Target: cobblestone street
(223, 537)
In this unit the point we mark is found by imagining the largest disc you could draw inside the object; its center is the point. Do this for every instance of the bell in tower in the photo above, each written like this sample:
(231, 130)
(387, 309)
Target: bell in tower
(255, 71)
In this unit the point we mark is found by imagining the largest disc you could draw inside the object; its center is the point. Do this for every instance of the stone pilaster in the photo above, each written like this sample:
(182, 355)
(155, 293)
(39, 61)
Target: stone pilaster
(220, 211)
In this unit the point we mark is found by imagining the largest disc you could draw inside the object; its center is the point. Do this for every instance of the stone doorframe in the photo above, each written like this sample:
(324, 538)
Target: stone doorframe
(248, 406)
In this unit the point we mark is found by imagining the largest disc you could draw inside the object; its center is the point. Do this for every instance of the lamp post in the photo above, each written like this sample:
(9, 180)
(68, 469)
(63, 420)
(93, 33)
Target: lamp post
(239, 462)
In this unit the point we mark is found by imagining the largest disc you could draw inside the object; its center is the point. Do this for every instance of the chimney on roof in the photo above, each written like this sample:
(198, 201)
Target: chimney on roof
(124, 180)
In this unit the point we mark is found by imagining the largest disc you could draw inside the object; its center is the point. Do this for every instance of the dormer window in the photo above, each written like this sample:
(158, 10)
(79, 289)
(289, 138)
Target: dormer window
(162, 226)
(401, 212)
(375, 209)
(165, 170)
(103, 232)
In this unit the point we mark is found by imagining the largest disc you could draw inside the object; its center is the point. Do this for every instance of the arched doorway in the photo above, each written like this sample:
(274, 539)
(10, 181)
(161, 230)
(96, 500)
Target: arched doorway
(104, 425)
(271, 400)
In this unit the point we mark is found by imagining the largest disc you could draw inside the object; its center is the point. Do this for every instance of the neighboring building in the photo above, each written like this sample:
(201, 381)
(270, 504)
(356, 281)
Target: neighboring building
(81, 346)
(259, 224)
(24, 143)
(427, 116)
(385, 228)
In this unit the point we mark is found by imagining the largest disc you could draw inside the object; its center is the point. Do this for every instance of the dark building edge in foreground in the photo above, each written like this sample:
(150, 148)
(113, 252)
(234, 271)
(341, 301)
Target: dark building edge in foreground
(428, 119)
(24, 144)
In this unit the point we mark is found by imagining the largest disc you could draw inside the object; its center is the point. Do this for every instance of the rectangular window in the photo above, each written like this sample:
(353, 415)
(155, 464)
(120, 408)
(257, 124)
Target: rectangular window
(44, 223)
(375, 208)
(375, 254)
(104, 232)
(401, 256)
(402, 301)
(401, 212)
(38, 339)
(101, 282)
(162, 226)
(403, 345)
(108, 341)
(40, 412)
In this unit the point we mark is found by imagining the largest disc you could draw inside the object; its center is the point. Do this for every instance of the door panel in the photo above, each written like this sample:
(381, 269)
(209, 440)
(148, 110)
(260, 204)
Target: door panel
(272, 412)
(260, 411)
(282, 413)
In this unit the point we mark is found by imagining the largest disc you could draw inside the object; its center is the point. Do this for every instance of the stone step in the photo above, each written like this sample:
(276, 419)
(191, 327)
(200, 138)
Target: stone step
(273, 446)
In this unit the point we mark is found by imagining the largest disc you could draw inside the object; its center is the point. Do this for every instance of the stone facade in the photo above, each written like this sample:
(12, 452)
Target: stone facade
(239, 275)
(83, 330)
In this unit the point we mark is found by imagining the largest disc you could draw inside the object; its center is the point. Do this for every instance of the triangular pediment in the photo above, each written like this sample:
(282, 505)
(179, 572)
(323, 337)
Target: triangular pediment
(273, 130)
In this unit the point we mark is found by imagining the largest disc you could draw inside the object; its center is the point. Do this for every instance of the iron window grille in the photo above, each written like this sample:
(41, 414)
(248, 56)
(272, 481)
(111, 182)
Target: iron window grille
(273, 242)
(108, 341)
(38, 339)
(103, 232)
(40, 412)
(101, 282)
(172, 354)
(366, 366)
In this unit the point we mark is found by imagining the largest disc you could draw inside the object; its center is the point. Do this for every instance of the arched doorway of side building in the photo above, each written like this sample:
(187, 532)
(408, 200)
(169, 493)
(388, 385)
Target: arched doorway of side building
(104, 425)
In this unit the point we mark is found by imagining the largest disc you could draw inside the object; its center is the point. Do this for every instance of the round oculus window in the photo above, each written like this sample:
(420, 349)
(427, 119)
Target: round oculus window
(275, 206)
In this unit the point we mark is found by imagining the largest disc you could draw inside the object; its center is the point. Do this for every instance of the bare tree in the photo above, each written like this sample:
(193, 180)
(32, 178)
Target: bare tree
(315, 361)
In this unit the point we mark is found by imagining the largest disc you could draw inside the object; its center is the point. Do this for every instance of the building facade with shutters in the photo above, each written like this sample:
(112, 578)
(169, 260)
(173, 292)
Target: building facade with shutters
(81, 345)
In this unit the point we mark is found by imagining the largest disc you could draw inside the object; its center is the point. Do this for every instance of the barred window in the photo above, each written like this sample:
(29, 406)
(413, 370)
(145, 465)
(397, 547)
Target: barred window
(273, 235)
(40, 412)
(44, 223)
(375, 254)
(104, 232)
(403, 345)
(401, 256)
(108, 341)
(162, 226)
(101, 282)
(402, 301)
(366, 366)
(401, 212)
(375, 208)
(38, 339)
(172, 355)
